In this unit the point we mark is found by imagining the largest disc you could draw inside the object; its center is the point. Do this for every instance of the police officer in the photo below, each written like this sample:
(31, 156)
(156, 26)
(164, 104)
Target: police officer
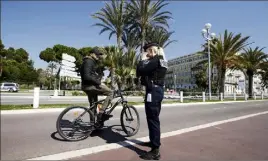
(152, 70)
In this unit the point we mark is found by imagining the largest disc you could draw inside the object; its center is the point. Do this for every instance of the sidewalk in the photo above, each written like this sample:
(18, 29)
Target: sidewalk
(240, 140)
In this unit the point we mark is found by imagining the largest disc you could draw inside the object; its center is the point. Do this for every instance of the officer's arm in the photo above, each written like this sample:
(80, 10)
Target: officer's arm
(150, 66)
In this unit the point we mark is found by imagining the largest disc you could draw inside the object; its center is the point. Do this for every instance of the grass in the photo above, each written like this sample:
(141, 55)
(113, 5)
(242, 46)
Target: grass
(44, 106)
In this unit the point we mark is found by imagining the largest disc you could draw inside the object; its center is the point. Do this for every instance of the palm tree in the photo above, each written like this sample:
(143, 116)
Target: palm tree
(143, 13)
(121, 66)
(159, 35)
(252, 60)
(224, 53)
(126, 69)
(131, 40)
(112, 54)
(51, 66)
(264, 74)
(112, 18)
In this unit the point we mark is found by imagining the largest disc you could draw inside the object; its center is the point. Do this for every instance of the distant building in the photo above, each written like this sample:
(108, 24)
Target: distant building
(180, 76)
(179, 71)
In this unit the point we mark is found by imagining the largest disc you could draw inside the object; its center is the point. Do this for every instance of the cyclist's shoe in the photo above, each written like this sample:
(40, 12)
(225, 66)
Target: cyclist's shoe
(154, 154)
(99, 124)
(106, 117)
(103, 117)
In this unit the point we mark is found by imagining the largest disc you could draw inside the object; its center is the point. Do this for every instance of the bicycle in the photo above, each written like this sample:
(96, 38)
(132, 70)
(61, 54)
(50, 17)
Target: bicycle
(88, 127)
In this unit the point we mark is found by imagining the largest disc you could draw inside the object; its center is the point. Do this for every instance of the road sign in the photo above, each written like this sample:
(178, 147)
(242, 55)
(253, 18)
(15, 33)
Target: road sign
(68, 73)
(67, 63)
(67, 68)
(68, 57)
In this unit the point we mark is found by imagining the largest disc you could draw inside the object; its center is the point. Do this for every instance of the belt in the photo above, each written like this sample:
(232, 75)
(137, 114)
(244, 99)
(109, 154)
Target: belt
(156, 85)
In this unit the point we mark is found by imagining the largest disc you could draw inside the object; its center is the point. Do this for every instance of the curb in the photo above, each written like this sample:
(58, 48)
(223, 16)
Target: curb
(47, 110)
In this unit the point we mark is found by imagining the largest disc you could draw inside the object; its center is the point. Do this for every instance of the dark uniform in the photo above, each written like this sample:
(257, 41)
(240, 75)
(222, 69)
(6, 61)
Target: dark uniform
(152, 73)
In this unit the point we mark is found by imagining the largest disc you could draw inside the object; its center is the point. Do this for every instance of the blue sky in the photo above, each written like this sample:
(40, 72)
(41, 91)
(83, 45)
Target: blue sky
(35, 25)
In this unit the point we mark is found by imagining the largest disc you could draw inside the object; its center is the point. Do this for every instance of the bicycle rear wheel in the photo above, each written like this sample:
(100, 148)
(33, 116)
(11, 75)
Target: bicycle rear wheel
(129, 113)
(77, 124)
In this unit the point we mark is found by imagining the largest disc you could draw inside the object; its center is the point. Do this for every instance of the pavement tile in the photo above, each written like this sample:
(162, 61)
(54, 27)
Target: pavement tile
(240, 140)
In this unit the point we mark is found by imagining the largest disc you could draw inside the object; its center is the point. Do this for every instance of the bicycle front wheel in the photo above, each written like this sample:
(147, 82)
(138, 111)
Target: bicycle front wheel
(130, 114)
(78, 127)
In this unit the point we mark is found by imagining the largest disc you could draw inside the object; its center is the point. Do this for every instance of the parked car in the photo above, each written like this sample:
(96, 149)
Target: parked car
(10, 87)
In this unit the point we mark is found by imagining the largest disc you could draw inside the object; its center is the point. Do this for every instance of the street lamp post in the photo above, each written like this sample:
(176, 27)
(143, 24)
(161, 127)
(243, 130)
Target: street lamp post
(208, 36)
(175, 87)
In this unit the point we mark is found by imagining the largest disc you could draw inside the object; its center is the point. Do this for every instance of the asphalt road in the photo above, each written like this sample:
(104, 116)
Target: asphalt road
(46, 98)
(28, 99)
(25, 136)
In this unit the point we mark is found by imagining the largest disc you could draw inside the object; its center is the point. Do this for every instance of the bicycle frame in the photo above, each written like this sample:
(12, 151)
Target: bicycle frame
(93, 107)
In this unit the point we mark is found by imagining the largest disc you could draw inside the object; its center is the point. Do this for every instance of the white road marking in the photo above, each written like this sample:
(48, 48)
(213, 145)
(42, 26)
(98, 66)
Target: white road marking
(101, 148)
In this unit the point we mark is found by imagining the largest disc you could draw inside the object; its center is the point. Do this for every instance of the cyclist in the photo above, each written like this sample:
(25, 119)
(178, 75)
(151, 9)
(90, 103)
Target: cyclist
(91, 74)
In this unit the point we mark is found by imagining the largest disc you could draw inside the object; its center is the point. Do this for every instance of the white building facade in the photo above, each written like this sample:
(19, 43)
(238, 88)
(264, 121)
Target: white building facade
(179, 76)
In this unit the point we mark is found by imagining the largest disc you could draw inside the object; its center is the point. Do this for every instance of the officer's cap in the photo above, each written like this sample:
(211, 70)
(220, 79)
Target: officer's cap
(148, 45)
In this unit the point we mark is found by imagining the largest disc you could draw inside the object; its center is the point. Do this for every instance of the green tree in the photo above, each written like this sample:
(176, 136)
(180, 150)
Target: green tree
(121, 66)
(252, 60)
(145, 13)
(48, 55)
(159, 35)
(224, 53)
(83, 51)
(54, 54)
(264, 74)
(51, 69)
(16, 66)
(113, 19)
(43, 79)
(2, 55)
(11, 71)
(199, 72)
(131, 40)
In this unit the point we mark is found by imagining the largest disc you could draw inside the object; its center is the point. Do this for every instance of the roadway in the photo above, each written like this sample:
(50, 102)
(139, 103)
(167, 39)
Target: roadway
(25, 136)
(48, 98)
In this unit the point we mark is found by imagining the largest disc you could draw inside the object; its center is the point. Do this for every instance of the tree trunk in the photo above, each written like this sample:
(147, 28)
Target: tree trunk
(119, 42)
(142, 38)
(222, 80)
(250, 83)
(112, 78)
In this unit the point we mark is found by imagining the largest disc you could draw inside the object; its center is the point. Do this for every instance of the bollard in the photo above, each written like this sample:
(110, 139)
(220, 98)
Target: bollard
(204, 96)
(181, 96)
(262, 95)
(246, 97)
(221, 96)
(55, 92)
(36, 97)
(255, 96)
(234, 96)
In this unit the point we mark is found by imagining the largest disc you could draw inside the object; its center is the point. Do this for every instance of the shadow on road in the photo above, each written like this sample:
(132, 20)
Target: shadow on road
(111, 134)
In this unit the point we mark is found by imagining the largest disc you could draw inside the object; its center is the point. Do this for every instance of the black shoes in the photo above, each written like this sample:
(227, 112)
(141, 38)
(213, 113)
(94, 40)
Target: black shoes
(101, 118)
(154, 154)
